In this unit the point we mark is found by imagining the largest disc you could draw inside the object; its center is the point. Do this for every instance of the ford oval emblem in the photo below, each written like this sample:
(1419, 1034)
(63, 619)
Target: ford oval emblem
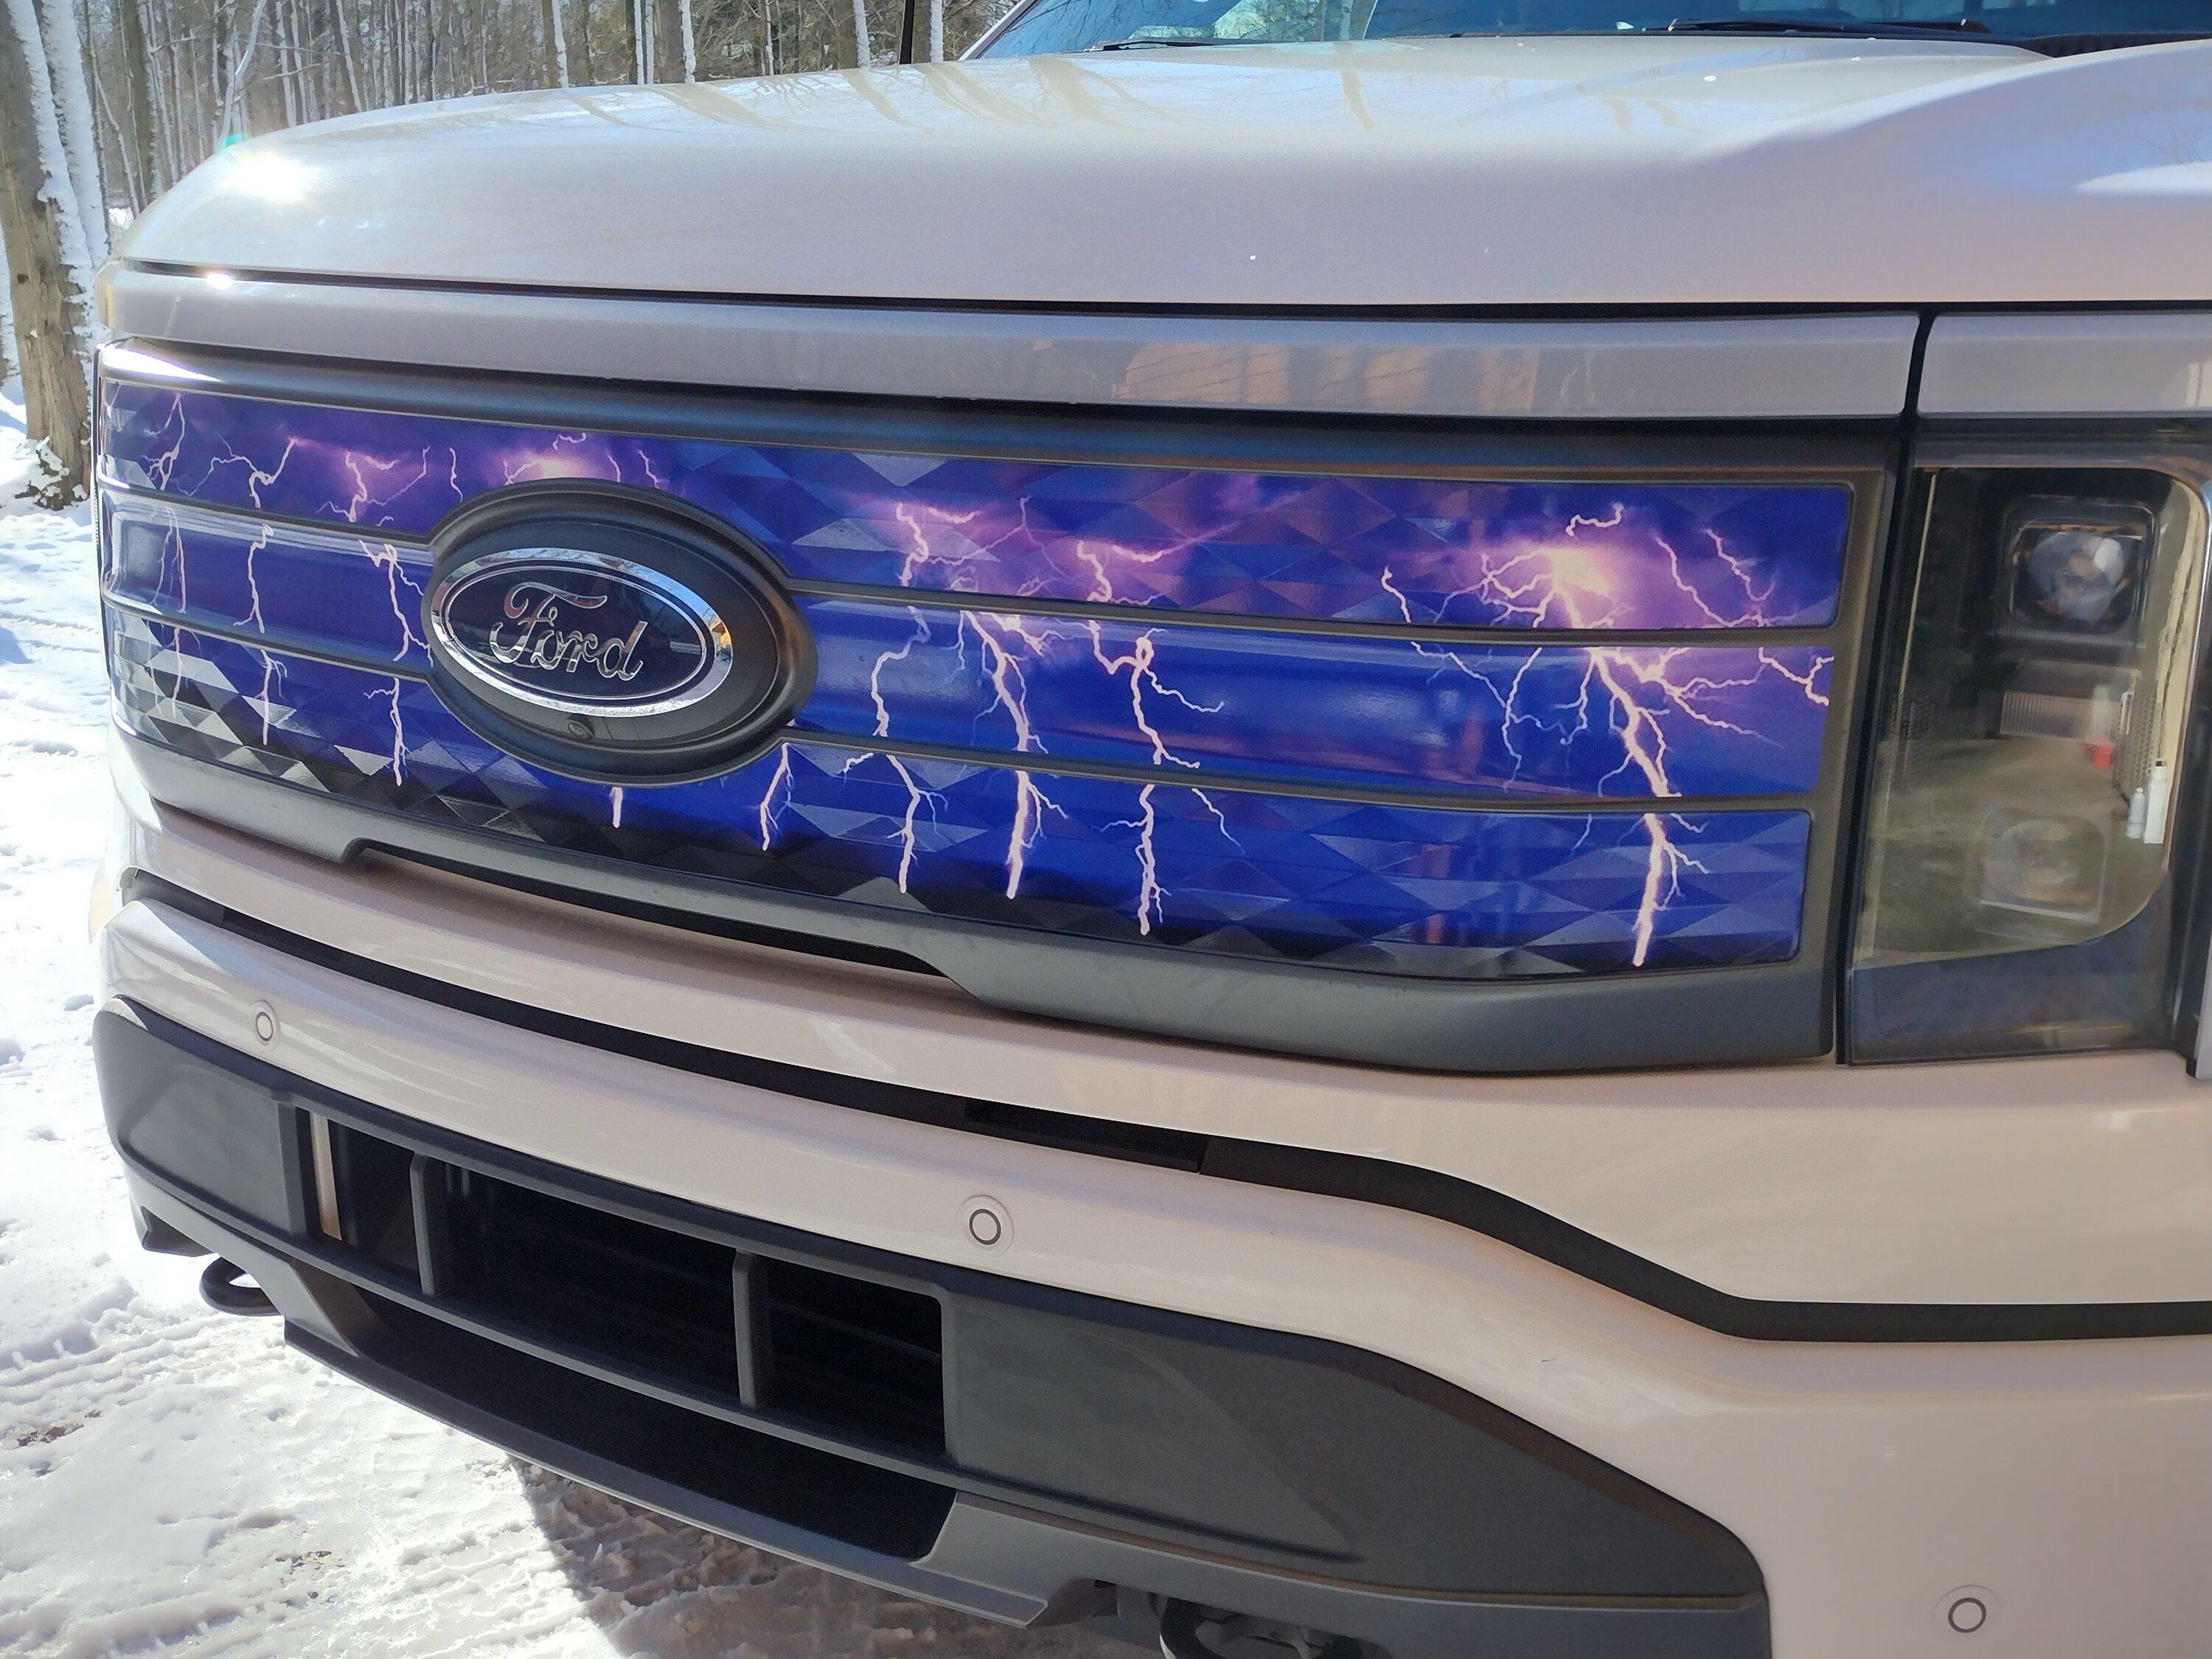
(611, 638)
(581, 632)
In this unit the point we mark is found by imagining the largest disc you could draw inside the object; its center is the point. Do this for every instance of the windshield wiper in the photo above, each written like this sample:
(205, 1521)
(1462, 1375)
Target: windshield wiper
(1137, 40)
(1782, 23)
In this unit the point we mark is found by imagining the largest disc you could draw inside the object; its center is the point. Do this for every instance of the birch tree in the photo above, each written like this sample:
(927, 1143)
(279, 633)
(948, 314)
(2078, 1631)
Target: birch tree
(557, 45)
(7, 316)
(49, 265)
(80, 134)
(234, 73)
(168, 110)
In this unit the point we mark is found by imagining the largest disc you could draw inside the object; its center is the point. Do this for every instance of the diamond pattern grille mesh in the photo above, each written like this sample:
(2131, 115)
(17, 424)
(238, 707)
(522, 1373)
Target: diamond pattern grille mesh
(1407, 890)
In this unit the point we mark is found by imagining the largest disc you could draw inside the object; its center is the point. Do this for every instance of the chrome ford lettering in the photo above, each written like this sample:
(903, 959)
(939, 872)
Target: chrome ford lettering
(536, 605)
(580, 632)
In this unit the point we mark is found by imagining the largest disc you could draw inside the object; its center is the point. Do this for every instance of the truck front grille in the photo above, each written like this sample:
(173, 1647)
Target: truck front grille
(1454, 727)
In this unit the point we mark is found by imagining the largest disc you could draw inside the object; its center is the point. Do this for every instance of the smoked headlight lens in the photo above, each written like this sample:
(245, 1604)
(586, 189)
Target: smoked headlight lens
(2018, 887)
(2076, 567)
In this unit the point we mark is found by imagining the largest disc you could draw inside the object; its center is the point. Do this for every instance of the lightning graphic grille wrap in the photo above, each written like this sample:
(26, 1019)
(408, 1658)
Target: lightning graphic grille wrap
(1215, 701)
(1471, 553)
(1281, 728)
(1452, 894)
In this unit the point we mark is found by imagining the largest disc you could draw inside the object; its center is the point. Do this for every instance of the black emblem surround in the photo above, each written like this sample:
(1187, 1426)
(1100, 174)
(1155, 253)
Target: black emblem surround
(611, 639)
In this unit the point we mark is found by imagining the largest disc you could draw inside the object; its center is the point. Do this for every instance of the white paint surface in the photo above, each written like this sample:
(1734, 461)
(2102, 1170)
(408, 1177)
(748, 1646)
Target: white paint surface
(1539, 172)
(2053, 1179)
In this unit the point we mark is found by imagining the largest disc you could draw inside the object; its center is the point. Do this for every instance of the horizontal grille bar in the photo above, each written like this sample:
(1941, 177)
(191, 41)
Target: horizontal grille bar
(1543, 554)
(1393, 716)
(1393, 888)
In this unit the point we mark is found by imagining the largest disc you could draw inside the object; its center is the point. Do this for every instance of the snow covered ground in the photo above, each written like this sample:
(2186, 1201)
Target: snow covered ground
(174, 1482)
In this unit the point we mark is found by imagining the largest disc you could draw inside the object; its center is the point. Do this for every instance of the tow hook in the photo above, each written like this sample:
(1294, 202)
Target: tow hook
(225, 1287)
(1190, 1631)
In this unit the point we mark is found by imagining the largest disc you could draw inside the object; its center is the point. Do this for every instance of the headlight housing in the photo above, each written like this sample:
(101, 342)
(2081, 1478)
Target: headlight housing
(2021, 889)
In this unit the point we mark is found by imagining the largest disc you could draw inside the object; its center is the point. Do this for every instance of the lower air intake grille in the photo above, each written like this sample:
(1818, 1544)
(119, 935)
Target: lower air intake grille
(603, 1282)
(684, 1451)
(849, 1352)
(852, 1356)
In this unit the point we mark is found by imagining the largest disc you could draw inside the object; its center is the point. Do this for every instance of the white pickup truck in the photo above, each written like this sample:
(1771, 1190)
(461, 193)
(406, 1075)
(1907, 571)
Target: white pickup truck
(1364, 830)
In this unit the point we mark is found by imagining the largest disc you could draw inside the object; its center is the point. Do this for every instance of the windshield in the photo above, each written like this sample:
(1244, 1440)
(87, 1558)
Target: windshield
(1079, 25)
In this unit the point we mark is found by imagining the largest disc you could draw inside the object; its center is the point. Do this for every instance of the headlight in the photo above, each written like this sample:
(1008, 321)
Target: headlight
(2020, 891)
(2075, 567)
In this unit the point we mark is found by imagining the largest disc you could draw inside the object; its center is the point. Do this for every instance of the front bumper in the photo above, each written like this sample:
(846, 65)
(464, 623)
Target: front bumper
(1867, 1480)
(1024, 1454)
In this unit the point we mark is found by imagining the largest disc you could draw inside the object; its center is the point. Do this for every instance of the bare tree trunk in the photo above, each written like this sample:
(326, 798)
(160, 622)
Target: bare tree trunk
(134, 190)
(7, 315)
(385, 53)
(379, 52)
(170, 111)
(234, 81)
(556, 45)
(80, 136)
(640, 41)
(166, 90)
(220, 54)
(299, 35)
(137, 66)
(341, 29)
(863, 55)
(687, 40)
(213, 64)
(319, 42)
(49, 270)
(288, 53)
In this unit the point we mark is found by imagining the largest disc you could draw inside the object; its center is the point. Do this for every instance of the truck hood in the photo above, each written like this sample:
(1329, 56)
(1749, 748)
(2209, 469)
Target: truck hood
(1539, 171)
